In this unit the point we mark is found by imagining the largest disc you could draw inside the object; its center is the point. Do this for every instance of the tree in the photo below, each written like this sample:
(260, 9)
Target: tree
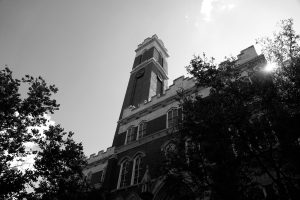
(59, 159)
(58, 166)
(242, 141)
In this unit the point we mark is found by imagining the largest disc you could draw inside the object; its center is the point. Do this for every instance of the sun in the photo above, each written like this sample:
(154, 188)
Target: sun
(270, 67)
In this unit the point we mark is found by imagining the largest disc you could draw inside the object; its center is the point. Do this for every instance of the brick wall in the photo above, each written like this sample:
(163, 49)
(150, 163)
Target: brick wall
(154, 159)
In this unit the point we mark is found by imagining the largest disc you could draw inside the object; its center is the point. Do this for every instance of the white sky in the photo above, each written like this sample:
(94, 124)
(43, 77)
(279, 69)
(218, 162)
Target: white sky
(86, 48)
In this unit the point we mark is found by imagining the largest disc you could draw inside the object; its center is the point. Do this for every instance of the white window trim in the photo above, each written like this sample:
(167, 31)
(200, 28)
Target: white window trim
(138, 133)
(172, 109)
(126, 137)
(133, 172)
(138, 130)
(133, 168)
(120, 172)
(119, 179)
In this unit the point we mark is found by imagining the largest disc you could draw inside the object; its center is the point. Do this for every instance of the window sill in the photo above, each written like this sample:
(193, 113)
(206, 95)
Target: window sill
(126, 187)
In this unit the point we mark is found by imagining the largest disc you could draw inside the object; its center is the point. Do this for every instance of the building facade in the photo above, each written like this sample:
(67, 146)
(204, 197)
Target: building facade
(132, 167)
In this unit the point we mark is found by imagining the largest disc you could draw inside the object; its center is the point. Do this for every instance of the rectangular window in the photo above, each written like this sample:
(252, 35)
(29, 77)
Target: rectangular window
(173, 119)
(142, 129)
(156, 124)
(131, 134)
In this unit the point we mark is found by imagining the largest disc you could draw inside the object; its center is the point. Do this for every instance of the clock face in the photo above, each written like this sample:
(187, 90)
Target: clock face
(170, 148)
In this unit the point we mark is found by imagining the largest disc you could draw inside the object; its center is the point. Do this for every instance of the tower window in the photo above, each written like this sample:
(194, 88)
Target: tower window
(159, 87)
(137, 170)
(162, 62)
(123, 177)
(142, 130)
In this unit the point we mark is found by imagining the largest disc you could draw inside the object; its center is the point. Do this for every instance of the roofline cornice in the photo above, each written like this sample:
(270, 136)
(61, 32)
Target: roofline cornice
(153, 38)
(159, 67)
(153, 108)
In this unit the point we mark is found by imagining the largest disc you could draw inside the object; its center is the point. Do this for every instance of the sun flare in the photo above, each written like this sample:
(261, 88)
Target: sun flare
(270, 67)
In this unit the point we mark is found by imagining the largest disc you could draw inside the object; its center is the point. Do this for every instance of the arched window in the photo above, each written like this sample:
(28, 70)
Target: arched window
(173, 118)
(142, 129)
(124, 173)
(131, 134)
(137, 170)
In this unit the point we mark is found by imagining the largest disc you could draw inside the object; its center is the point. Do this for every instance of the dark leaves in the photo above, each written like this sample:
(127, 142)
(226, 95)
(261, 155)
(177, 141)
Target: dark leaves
(243, 138)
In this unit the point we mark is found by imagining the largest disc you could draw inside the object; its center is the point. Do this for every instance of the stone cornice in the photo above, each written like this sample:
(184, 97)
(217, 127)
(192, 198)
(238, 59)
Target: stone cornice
(159, 100)
(153, 107)
(142, 141)
(253, 62)
(146, 62)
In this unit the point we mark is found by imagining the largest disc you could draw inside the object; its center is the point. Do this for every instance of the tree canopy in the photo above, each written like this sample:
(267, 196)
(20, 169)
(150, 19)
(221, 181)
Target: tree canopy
(243, 140)
(57, 170)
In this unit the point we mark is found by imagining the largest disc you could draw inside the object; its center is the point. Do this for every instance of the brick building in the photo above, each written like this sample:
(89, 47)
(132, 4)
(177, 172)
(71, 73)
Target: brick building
(132, 167)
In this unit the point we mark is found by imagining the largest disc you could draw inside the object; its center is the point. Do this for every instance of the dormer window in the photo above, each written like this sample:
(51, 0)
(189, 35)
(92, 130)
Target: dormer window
(142, 129)
(131, 134)
(173, 118)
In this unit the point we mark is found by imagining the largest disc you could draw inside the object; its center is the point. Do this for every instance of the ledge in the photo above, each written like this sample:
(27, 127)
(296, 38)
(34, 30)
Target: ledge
(143, 140)
(179, 83)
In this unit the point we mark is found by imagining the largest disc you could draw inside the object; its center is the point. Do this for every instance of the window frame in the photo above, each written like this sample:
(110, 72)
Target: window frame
(173, 119)
(159, 85)
(123, 173)
(137, 169)
(131, 134)
(141, 132)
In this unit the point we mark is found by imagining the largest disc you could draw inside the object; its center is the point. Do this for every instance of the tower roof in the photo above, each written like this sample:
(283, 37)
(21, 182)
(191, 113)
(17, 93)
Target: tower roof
(149, 40)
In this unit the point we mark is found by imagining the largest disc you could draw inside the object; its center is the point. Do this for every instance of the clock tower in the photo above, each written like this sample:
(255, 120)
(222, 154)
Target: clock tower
(149, 73)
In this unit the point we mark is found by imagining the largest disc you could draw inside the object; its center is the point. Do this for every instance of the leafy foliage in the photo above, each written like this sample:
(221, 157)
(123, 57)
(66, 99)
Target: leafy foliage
(242, 141)
(59, 165)
(16, 116)
(57, 172)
